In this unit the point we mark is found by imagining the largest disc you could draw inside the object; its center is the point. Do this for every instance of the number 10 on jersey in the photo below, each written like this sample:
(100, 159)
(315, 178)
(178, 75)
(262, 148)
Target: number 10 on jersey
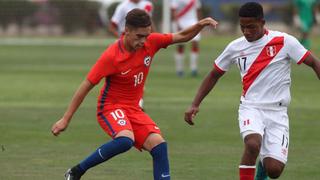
(138, 78)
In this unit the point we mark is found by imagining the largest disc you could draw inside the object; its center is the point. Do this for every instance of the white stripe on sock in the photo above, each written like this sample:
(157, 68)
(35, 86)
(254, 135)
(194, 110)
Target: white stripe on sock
(247, 167)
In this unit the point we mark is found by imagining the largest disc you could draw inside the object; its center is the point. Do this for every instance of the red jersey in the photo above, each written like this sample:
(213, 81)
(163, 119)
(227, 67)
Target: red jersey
(125, 72)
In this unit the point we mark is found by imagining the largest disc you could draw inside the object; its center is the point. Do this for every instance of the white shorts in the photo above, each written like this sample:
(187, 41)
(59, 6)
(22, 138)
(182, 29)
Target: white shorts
(178, 26)
(272, 125)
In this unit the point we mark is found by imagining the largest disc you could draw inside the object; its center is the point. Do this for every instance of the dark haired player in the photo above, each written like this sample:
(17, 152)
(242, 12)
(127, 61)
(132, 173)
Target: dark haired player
(125, 66)
(263, 58)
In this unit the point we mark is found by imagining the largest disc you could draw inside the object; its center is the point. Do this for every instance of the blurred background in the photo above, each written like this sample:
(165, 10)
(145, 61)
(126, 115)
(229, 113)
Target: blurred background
(47, 48)
(91, 17)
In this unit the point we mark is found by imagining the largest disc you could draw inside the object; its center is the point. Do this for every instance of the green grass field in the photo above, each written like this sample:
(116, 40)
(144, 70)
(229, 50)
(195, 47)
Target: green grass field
(37, 82)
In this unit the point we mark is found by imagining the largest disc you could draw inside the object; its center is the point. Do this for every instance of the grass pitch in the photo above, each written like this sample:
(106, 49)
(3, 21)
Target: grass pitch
(38, 79)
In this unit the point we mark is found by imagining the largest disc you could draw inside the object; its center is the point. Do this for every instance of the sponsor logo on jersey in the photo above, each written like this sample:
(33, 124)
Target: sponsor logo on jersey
(271, 51)
(147, 61)
(125, 72)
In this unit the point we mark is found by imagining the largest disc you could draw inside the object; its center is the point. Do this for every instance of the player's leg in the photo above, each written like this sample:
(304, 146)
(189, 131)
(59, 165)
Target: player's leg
(274, 150)
(273, 167)
(306, 27)
(194, 54)
(121, 143)
(252, 144)
(305, 40)
(117, 125)
(179, 60)
(157, 147)
(252, 129)
(148, 137)
(261, 173)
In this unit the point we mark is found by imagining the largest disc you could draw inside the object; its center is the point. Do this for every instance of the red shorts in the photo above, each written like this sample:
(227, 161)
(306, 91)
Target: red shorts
(114, 119)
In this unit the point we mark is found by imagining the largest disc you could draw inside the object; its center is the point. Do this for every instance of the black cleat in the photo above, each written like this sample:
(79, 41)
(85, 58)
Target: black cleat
(73, 174)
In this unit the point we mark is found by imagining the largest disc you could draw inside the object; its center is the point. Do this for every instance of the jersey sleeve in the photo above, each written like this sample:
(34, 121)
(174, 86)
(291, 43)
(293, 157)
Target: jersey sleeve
(159, 41)
(295, 50)
(102, 68)
(224, 60)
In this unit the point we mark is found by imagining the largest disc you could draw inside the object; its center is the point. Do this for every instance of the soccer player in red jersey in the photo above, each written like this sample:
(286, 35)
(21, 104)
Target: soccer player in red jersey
(125, 66)
(264, 60)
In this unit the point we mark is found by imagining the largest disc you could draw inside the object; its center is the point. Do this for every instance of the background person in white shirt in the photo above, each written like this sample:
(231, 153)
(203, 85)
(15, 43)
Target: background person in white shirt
(184, 14)
(264, 59)
(117, 22)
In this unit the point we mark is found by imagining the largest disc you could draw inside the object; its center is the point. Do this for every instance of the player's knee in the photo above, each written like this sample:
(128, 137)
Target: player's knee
(252, 146)
(273, 167)
(274, 173)
(160, 151)
(126, 143)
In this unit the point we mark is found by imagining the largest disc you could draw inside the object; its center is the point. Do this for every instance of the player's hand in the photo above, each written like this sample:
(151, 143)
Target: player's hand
(208, 22)
(190, 113)
(59, 126)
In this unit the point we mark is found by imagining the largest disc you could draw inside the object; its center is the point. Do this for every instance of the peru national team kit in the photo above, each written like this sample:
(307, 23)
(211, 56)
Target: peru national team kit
(265, 72)
(125, 74)
(126, 6)
(186, 14)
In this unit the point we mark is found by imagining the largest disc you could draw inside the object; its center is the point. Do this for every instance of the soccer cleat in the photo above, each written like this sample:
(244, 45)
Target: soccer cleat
(261, 173)
(73, 174)
(194, 73)
(180, 74)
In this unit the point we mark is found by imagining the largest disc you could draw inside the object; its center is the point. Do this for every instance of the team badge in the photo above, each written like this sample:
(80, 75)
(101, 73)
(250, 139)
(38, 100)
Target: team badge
(271, 51)
(147, 61)
(122, 122)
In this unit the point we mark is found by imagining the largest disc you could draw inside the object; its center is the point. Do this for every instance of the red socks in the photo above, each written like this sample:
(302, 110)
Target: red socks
(247, 172)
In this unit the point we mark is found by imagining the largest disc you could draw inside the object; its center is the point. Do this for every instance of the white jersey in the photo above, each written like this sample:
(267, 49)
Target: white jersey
(119, 16)
(186, 11)
(264, 66)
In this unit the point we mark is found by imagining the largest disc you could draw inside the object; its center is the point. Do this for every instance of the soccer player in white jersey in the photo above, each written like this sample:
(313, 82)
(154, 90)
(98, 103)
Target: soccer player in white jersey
(263, 58)
(117, 23)
(184, 14)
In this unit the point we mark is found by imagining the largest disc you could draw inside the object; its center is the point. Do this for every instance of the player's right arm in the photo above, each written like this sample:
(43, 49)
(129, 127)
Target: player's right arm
(102, 68)
(76, 101)
(207, 85)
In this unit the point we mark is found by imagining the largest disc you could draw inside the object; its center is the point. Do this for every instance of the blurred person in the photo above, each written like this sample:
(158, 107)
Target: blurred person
(184, 14)
(264, 60)
(117, 22)
(125, 65)
(305, 11)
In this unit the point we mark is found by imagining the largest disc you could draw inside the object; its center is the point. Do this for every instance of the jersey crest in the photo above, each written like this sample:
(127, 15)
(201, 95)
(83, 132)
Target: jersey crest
(147, 61)
(271, 51)
(261, 62)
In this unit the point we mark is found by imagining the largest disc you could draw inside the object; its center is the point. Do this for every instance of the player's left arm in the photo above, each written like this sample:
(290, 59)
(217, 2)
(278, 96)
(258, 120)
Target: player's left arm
(190, 32)
(314, 63)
